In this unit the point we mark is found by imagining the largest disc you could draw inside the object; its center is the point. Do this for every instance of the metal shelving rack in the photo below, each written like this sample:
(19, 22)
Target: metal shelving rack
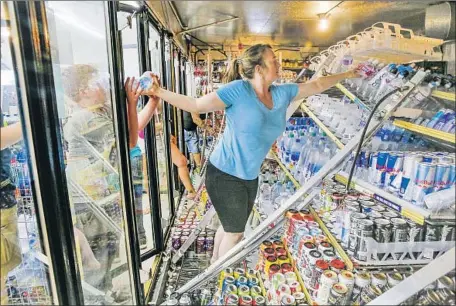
(425, 131)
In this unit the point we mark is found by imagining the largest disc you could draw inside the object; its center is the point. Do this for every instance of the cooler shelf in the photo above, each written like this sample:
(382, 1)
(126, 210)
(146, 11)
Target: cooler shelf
(322, 126)
(352, 97)
(450, 96)
(447, 137)
(405, 208)
(317, 218)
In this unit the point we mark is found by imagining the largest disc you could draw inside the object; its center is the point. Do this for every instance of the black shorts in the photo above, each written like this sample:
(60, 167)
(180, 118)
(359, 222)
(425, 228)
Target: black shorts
(232, 197)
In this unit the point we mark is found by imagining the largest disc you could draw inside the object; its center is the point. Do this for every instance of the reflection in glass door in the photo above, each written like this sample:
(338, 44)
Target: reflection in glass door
(24, 273)
(156, 66)
(128, 26)
(83, 86)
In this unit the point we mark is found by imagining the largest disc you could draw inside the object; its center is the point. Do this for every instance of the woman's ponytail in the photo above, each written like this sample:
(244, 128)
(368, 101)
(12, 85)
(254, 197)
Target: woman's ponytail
(233, 72)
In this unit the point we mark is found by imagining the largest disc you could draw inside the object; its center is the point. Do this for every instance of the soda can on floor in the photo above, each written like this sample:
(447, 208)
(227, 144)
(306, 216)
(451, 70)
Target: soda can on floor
(409, 167)
(442, 176)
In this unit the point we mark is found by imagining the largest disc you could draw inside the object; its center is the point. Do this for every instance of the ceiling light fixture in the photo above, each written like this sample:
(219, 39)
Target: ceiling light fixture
(323, 23)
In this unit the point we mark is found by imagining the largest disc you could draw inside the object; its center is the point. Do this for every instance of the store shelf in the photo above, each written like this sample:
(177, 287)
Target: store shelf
(447, 137)
(450, 96)
(352, 97)
(322, 126)
(405, 208)
(317, 219)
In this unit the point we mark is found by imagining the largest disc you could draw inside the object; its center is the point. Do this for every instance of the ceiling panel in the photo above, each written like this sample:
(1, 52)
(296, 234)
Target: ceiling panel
(288, 23)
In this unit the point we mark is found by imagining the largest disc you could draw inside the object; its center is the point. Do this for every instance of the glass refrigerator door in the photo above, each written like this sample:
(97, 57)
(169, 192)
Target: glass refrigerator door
(24, 269)
(129, 33)
(81, 65)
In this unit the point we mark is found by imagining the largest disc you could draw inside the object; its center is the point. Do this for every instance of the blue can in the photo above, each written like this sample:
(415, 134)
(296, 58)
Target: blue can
(428, 158)
(442, 176)
(425, 175)
(394, 166)
(452, 175)
(381, 168)
(364, 159)
(373, 160)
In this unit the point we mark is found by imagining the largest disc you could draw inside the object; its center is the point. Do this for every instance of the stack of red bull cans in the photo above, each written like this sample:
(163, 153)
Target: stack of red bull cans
(409, 175)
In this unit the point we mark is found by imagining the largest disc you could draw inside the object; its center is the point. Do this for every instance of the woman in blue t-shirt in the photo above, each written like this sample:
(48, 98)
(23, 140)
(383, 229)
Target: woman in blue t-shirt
(255, 116)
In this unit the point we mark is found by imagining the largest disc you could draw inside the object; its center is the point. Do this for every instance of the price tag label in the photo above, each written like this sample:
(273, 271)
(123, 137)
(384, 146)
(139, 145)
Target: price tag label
(387, 203)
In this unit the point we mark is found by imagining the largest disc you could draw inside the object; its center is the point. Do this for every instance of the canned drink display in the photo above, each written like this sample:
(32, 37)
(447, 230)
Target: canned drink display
(300, 298)
(320, 267)
(227, 281)
(209, 245)
(251, 273)
(366, 206)
(327, 280)
(277, 244)
(287, 299)
(415, 231)
(259, 301)
(379, 279)
(365, 231)
(448, 231)
(394, 166)
(255, 291)
(329, 255)
(350, 208)
(306, 248)
(424, 181)
(225, 273)
(348, 279)
(337, 294)
(442, 176)
(352, 239)
(280, 251)
(409, 171)
(369, 294)
(231, 299)
(362, 280)
(378, 208)
(230, 289)
(336, 265)
(382, 230)
(238, 272)
(433, 231)
(245, 300)
(400, 232)
(176, 242)
(243, 290)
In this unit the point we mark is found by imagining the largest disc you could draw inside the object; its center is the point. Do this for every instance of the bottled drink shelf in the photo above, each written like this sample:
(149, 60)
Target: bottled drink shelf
(447, 137)
(352, 97)
(317, 218)
(322, 126)
(450, 96)
(405, 208)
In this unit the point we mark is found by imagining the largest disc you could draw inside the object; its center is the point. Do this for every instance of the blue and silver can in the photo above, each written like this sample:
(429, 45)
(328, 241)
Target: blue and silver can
(442, 176)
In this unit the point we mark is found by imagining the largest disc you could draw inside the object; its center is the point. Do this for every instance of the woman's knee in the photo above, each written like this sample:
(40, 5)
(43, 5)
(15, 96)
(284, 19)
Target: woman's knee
(234, 236)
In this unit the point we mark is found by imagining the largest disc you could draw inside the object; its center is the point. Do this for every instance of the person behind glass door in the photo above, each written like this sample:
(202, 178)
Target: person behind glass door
(10, 252)
(255, 111)
(191, 122)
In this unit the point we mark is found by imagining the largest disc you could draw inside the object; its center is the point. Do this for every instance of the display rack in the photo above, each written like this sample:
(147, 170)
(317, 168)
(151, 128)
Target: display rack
(422, 130)
(449, 96)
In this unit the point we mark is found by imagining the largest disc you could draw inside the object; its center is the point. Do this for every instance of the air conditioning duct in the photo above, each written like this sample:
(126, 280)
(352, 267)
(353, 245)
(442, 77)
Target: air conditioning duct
(440, 21)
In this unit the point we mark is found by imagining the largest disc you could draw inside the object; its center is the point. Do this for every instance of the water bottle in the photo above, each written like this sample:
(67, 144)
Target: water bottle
(296, 151)
(265, 191)
(146, 80)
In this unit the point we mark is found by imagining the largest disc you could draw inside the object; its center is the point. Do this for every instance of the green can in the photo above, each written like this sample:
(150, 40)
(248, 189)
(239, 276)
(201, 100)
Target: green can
(243, 290)
(255, 291)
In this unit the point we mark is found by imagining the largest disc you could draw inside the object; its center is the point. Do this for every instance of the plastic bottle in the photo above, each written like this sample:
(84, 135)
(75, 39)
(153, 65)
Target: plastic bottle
(296, 151)
(440, 200)
(146, 81)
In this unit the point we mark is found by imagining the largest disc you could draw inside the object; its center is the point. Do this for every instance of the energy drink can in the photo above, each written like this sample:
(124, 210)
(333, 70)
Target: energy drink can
(379, 279)
(286, 267)
(242, 281)
(253, 281)
(393, 167)
(327, 280)
(280, 251)
(283, 259)
(442, 176)
(277, 280)
(255, 291)
(295, 287)
(259, 301)
(365, 231)
(366, 206)
(209, 245)
(352, 239)
(336, 265)
(229, 289)
(287, 299)
(400, 232)
(320, 267)
(415, 232)
(176, 242)
(374, 215)
(324, 245)
(362, 280)
(266, 244)
(369, 294)
(382, 230)
(452, 175)
(424, 181)
(273, 270)
(329, 255)
(380, 167)
(409, 172)
(200, 245)
(231, 299)
(312, 258)
(238, 272)
(348, 279)
(337, 294)
(243, 290)
(245, 300)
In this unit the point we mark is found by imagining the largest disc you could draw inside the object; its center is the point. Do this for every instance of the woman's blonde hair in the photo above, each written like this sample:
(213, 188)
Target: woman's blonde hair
(245, 65)
(76, 78)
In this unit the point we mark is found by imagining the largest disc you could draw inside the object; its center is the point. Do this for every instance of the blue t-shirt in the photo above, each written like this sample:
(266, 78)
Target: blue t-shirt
(251, 128)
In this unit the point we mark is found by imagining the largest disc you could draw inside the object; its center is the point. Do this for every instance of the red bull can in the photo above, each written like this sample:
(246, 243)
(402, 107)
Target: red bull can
(452, 175)
(425, 174)
(442, 176)
(381, 168)
(393, 166)
(409, 171)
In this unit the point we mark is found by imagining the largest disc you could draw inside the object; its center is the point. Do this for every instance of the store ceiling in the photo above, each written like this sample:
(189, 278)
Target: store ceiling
(286, 23)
